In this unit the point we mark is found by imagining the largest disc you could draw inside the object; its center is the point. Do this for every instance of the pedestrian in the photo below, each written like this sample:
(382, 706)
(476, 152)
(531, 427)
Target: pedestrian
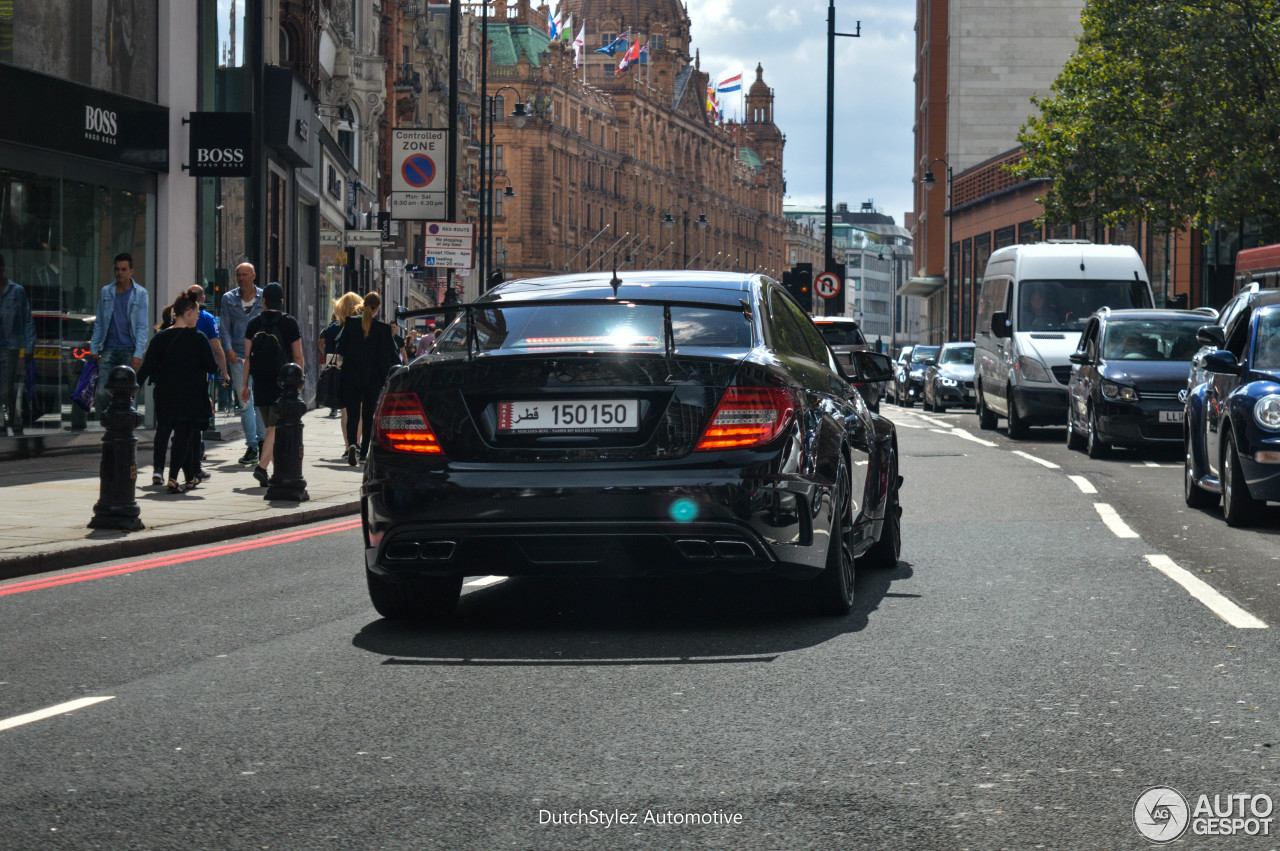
(272, 339)
(178, 361)
(121, 327)
(239, 307)
(425, 341)
(344, 307)
(17, 345)
(368, 351)
(160, 445)
(206, 324)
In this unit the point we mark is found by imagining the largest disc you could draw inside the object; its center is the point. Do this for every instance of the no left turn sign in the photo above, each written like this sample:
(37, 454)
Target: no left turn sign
(827, 285)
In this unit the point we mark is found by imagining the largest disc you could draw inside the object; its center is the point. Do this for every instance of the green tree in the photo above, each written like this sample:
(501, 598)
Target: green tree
(1167, 111)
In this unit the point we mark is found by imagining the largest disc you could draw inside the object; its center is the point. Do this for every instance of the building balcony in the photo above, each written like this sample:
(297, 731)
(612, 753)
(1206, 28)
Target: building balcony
(408, 80)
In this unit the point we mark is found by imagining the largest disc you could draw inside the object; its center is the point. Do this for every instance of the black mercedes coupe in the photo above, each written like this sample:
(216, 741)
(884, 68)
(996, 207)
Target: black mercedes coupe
(629, 424)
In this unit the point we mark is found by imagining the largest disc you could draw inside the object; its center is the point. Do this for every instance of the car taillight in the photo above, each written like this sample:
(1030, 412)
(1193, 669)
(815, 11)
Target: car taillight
(401, 426)
(748, 416)
(79, 354)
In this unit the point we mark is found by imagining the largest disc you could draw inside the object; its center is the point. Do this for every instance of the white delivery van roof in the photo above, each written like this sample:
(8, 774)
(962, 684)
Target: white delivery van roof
(1066, 261)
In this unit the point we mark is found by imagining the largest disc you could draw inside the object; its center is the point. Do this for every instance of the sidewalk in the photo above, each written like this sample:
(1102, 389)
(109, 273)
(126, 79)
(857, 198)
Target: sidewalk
(48, 502)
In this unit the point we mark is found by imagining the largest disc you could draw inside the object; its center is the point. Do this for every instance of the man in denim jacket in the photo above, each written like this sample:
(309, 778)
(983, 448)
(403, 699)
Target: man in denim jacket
(238, 307)
(122, 326)
(17, 343)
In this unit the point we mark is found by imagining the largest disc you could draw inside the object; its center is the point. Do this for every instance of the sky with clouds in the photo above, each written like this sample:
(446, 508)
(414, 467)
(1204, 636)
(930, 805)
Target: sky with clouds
(874, 91)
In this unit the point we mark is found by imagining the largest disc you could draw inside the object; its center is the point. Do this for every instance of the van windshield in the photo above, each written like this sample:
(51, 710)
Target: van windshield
(1066, 305)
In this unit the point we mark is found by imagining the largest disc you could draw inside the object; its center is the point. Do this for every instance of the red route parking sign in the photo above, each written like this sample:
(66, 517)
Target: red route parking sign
(418, 170)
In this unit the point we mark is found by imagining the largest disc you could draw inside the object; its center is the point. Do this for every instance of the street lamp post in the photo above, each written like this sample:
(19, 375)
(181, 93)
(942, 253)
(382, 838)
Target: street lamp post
(508, 193)
(488, 171)
(668, 220)
(928, 181)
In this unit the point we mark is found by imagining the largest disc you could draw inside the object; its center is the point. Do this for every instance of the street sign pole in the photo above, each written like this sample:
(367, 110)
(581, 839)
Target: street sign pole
(829, 260)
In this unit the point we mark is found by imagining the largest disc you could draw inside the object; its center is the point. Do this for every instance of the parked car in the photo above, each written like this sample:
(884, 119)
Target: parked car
(62, 349)
(1232, 420)
(948, 380)
(908, 385)
(899, 369)
(845, 337)
(672, 422)
(1214, 336)
(1128, 377)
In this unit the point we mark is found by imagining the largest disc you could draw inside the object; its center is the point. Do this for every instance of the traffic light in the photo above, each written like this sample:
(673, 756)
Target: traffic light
(800, 284)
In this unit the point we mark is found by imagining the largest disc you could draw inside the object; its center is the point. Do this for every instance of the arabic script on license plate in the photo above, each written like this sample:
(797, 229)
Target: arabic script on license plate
(587, 417)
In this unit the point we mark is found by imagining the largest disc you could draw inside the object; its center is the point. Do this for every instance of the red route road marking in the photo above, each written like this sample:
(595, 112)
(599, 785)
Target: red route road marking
(167, 561)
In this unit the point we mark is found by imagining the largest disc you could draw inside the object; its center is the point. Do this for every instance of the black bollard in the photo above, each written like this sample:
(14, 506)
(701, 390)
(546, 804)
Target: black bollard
(117, 507)
(286, 478)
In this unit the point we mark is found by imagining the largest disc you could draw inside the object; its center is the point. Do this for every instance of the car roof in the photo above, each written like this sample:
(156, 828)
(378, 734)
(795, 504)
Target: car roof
(674, 285)
(958, 345)
(1157, 313)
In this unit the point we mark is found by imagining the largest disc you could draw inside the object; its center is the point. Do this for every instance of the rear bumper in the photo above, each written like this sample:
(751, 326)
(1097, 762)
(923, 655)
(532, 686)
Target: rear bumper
(577, 522)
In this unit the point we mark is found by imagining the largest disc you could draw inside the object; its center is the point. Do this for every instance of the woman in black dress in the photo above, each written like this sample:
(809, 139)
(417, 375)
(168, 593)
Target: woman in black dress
(368, 352)
(178, 361)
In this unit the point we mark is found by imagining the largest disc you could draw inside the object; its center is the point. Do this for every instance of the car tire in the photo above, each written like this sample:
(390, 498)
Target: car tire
(1074, 441)
(833, 589)
(1194, 495)
(1017, 428)
(1094, 446)
(420, 599)
(1238, 507)
(986, 419)
(939, 408)
(887, 549)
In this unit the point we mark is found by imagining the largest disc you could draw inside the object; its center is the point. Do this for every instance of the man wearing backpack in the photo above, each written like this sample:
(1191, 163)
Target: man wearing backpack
(272, 339)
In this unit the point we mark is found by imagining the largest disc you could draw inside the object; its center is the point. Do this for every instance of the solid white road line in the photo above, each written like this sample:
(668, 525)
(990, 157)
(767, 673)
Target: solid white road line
(484, 581)
(931, 421)
(1113, 521)
(60, 709)
(1205, 593)
(956, 432)
(1084, 484)
(1040, 461)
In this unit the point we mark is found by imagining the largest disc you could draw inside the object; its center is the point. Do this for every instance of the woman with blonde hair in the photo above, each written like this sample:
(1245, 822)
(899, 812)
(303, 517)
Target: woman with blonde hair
(368, 351)
(344, 307)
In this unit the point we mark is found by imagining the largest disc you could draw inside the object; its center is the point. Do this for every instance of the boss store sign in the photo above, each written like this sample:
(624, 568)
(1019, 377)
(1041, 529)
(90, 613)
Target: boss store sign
(54, 114)
(220, 144)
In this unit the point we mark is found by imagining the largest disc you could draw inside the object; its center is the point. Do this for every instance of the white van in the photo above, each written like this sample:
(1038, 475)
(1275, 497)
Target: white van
(1034, 303)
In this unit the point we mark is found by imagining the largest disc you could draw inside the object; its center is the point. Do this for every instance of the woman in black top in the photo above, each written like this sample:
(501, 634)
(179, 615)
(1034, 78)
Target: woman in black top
(178, 361)
(368, 352)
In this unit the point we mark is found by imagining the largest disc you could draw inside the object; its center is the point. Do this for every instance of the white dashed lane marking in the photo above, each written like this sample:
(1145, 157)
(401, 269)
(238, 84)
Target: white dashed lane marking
(1084, 484)
(50, 712)
(1113, 521)
(1040, 461)
(962, 434)
(1205, 593)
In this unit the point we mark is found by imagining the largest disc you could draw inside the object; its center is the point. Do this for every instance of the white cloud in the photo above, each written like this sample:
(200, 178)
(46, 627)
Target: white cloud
(874, 92)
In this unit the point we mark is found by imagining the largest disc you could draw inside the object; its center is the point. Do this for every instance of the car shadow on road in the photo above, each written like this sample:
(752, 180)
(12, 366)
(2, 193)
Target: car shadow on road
(527, 621)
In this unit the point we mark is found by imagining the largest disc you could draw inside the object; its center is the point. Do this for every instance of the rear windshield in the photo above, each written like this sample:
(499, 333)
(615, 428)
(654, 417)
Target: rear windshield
(959, 354)
(919, 353)
(1066, 305)
(71, 329)
(1150, 339)
(619, 327)
(841, 334)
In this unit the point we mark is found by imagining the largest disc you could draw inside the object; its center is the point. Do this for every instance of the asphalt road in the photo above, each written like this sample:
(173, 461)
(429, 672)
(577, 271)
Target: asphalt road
(1018, 682)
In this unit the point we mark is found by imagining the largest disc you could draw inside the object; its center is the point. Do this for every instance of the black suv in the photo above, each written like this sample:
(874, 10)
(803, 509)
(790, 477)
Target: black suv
(1128, 377)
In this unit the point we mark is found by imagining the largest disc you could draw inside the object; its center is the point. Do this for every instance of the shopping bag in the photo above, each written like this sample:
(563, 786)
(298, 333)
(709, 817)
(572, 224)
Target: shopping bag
(328, 393)
(32, 405)
(86, 387)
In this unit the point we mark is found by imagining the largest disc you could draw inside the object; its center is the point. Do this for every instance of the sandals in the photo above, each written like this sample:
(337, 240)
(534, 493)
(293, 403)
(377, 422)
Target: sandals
(173, 486)
(191, 484)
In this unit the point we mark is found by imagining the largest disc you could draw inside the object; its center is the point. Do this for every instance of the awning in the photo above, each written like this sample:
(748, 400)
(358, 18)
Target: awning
(922, 286)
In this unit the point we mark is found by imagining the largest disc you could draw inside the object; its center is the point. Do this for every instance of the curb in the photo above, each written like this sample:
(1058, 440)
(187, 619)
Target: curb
(26, 565)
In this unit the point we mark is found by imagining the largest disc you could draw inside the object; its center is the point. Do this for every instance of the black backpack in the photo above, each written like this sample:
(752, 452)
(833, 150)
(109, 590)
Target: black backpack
(267, 353)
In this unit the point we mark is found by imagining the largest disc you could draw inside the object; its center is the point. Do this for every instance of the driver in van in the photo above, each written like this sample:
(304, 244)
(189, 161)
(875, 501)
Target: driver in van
(1042, 314)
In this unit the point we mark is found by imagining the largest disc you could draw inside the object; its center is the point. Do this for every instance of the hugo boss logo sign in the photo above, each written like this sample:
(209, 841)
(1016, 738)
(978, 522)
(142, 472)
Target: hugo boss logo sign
(220, 144)
(100, 125)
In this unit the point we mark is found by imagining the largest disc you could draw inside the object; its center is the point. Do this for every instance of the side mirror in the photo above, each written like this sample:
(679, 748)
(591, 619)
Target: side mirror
(871, 367)
(1212, 335)
(930, 361)
(1222, 362)
(1000, 324)
(1081, 358)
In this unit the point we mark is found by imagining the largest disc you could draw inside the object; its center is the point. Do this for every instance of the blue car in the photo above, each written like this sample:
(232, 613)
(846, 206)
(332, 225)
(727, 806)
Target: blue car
(1233, 417)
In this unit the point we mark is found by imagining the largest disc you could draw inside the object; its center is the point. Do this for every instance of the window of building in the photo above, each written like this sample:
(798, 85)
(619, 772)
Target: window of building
(1004, 236)
(1028, 232)
(655, 43)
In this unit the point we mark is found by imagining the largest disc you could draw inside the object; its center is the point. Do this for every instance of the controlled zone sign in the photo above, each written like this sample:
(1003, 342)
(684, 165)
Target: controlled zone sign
(419, 174)
(827, 285)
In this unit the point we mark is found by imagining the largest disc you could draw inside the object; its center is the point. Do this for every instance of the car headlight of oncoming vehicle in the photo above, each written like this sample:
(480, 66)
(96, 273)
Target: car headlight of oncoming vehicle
(1032, 370)
(947, 382)
(1119, 392)
(1267, 412)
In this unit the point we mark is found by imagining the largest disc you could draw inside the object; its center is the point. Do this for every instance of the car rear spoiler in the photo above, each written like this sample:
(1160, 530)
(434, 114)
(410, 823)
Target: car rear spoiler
(472, 308)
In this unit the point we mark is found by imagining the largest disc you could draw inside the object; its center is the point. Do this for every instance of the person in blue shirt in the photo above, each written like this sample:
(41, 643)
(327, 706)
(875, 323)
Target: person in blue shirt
(122, 326)
(17, 343)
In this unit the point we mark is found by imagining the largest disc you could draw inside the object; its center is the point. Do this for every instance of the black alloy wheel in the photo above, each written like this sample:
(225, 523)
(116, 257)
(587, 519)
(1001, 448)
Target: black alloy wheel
(1074, 441)
(1238, 507)
(986, 419)
(1017, 428)
(420, 599)
(1194, 495)
(833, 589)
(1095, 446)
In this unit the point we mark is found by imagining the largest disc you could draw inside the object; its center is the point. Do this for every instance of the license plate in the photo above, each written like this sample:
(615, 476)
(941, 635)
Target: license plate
(47, 353)
(587, 417)
(1171, 416)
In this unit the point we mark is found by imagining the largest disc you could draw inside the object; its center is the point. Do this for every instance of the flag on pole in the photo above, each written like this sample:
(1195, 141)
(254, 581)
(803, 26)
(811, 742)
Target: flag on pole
(579, 43)
(713, 103)
(731, 83)
(644, 54)
(619, 43)
(631, 56)
(566, 29)
(553, 24)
